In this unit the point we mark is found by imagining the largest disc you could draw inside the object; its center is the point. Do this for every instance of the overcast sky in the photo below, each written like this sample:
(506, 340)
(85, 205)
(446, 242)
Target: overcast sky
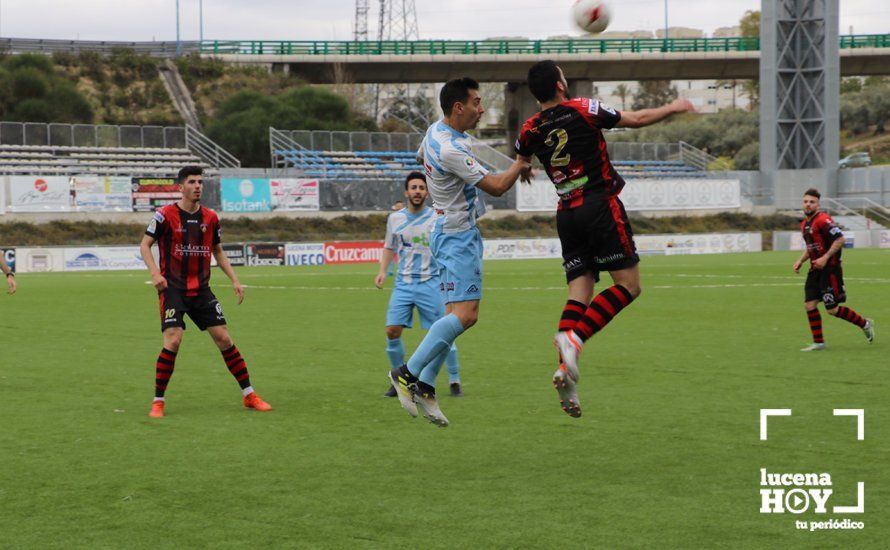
(333, 19)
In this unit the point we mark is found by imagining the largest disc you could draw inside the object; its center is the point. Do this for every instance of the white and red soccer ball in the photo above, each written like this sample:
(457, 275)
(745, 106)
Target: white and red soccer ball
(591, 15)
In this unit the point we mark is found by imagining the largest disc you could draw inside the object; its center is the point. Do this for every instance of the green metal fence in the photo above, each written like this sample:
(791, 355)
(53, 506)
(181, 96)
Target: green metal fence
(532, 47)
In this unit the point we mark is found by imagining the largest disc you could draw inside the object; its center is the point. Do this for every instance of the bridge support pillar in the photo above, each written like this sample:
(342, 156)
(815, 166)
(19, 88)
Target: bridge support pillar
(520, 104)
(799, 97)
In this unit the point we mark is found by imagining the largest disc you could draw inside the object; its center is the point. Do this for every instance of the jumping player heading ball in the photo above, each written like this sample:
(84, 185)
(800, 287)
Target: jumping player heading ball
(593, 227)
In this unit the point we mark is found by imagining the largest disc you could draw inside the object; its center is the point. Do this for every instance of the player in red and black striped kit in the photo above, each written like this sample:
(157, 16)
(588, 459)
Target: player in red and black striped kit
(825, 280)
(187, 235)
(595, 233)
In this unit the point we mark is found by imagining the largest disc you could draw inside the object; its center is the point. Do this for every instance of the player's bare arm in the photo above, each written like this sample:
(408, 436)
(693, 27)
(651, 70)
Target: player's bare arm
(385, 260)
(10, 276)
(647, 117)
(498, 184)
(801, 260)
(819, 263)
(223, 261)
(158, 280)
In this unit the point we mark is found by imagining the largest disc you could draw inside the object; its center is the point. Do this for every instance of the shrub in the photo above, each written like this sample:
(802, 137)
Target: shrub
(69, 105)
(29, 83)
(33, 110)
(36, 61)
(748, 157)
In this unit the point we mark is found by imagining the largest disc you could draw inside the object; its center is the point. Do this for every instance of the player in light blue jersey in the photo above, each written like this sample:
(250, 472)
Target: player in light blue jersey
(454, 178)
(417, 279)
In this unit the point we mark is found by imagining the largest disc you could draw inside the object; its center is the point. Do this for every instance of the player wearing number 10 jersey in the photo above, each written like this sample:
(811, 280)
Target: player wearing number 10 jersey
(188, 235)
(595, 233)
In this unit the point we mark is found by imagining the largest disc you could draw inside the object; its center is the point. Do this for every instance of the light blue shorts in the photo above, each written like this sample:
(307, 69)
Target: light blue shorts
(459, 256)
(425, 296)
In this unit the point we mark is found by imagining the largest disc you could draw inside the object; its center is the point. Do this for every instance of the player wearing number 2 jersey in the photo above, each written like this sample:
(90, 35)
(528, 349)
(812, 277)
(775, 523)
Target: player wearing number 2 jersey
(595, 233)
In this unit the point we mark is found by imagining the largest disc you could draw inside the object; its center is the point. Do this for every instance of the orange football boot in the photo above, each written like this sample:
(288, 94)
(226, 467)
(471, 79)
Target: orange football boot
(253, 401)
(157, 409)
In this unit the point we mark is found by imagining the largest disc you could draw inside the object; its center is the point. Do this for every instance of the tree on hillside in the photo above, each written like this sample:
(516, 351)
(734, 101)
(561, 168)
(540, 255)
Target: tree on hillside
(241, 124)
(31, 91)
(750, 23)
(653, 93)
(622, 91)
(866, 108)
(851, 85)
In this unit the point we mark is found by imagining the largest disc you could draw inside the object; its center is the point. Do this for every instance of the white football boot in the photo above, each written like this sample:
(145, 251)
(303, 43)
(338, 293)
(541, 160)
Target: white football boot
(565, 384)
(869, 330)
(814, 347)
(569, 347)
(429, 407)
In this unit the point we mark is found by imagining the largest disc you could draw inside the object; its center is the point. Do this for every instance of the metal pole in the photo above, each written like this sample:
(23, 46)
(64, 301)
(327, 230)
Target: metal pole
(666, 20)
(178, 45)
(201, 20)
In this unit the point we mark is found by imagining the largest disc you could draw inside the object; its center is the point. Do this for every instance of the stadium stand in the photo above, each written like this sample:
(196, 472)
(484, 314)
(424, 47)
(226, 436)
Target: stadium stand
(303, 151)
(62, 149)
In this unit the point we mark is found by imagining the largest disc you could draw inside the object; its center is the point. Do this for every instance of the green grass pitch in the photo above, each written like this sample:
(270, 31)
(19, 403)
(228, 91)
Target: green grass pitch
(667, 453)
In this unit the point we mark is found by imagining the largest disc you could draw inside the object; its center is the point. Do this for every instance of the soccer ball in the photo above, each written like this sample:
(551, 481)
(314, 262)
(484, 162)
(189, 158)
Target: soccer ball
(591, 15)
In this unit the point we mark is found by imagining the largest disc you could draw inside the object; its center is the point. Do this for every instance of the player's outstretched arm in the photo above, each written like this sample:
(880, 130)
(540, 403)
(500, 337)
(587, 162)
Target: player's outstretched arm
(385, 259)
(223, 261)
(498, 184)
(647, 117)
(10, 276)
(158, 280)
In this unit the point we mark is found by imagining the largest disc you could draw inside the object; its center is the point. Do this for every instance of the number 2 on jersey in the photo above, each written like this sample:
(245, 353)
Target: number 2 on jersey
(562, 138)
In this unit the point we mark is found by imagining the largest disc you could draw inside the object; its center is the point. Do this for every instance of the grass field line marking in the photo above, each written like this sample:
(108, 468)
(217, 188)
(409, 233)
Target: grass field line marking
(781, 277)
(546, 288)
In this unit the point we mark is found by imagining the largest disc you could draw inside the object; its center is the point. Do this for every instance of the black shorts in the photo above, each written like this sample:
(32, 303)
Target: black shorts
(826, 285)
(595, 236)
(203, 309)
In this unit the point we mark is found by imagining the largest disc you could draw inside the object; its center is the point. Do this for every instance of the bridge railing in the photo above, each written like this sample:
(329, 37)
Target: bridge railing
(474, 47)
(519, 46)
(41, 45)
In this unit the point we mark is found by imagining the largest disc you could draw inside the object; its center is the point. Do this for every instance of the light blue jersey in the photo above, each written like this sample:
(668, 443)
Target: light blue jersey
(408, 235)
(452, 173)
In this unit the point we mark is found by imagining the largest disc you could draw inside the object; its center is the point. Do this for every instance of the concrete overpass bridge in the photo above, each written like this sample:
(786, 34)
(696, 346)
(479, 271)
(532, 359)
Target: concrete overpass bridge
(508, 60)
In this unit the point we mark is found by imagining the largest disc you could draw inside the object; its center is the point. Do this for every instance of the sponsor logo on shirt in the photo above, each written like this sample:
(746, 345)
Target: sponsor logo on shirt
(191, 250)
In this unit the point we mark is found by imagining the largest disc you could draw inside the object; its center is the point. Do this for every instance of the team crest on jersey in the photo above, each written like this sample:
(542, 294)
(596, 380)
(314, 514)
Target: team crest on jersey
(203, 228)
(469, 162)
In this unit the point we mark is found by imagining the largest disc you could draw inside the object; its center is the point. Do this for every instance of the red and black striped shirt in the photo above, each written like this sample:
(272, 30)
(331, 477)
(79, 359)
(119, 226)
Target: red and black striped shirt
(569, 142)
(819, 233)
(185, 245)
